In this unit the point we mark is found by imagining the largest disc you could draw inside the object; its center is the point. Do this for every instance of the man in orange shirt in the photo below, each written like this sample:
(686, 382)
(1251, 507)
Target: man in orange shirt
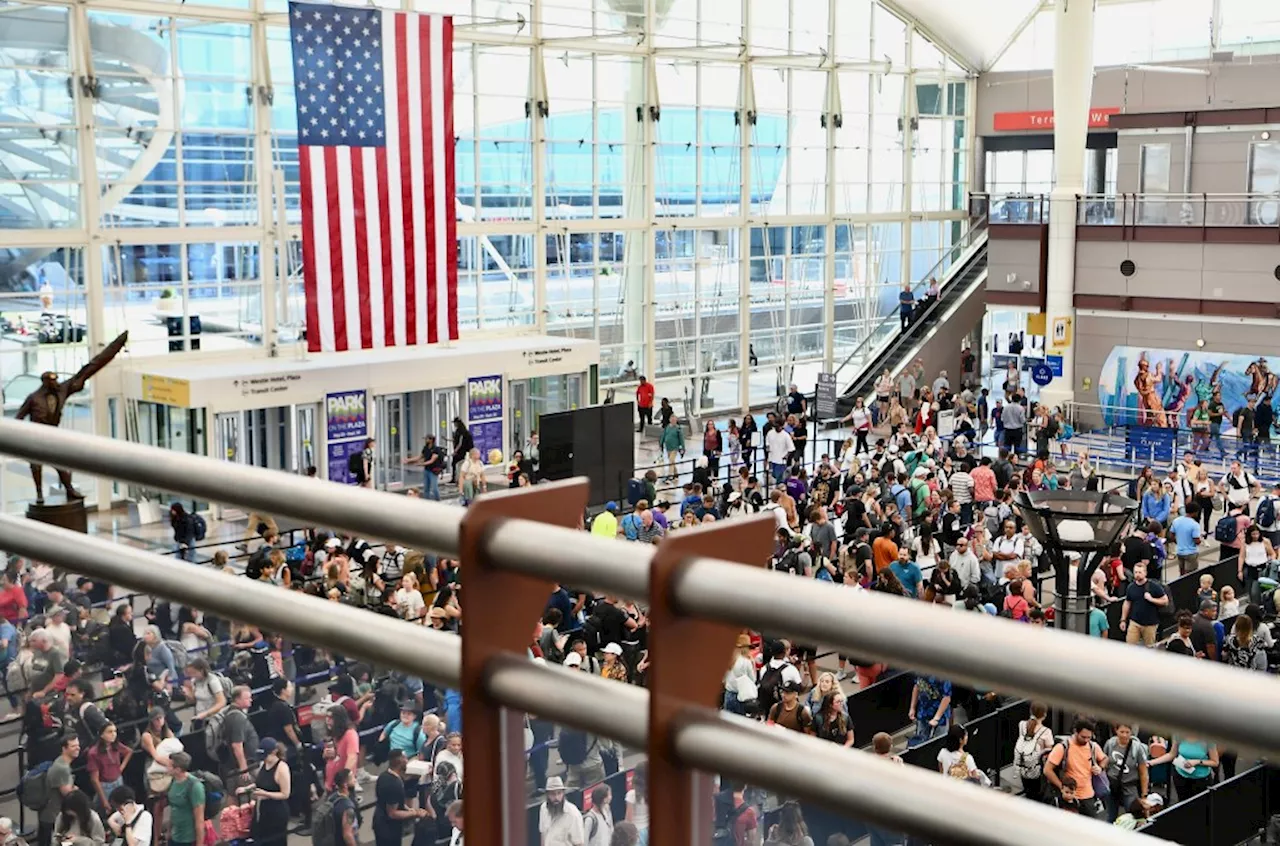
(884, 551)
(644, 403)
(1081, 759)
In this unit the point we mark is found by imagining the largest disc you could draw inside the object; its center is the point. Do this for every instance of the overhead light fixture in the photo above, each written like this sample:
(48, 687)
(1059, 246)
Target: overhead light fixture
(1200, 343)
(1266, 136)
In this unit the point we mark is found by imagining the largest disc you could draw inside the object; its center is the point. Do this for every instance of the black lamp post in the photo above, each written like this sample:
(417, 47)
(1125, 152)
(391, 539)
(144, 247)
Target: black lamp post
(1083, 522)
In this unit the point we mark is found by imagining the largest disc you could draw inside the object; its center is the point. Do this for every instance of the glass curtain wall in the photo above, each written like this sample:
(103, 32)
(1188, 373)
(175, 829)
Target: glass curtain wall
(724, 193)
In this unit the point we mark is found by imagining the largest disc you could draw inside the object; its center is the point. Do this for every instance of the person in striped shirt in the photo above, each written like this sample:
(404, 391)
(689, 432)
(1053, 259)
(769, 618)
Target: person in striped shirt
(961, 484)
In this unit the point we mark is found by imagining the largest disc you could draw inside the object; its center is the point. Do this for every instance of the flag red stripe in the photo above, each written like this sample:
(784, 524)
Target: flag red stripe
(450, 190)
(308, 253)
(406, 179)
(362, 245)
(388, 297)
(335, 249)
(428, 132)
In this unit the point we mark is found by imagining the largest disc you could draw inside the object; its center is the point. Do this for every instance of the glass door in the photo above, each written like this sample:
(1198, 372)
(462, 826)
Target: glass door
(389, 452)
(304, 437)
(230, 434)
(522, 421)
(447, 405)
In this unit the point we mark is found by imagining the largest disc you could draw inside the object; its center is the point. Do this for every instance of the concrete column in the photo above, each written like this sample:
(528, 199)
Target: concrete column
(1072, 91)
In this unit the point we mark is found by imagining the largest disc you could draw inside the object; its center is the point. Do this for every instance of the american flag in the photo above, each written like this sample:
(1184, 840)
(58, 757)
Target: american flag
(375, 148)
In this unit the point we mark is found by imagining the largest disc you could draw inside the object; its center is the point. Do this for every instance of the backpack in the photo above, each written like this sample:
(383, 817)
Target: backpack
(324, 819)
(224, 683)
(214, 731)
(769, 690)
(180, 657)
(1027, 755)
(1266, 515)
(199, 528)
(574, 746)
(214, 791)
(33, 790)
(256, 564)
(635, 491)
(1226, 529)
(355, 465)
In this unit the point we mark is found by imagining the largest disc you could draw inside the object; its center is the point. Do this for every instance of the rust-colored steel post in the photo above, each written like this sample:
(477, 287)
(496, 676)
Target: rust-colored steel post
(687, 662)
(501, 610)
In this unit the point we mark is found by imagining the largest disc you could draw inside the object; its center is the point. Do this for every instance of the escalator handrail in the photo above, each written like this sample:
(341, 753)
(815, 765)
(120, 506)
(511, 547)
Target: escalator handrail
(958, 249)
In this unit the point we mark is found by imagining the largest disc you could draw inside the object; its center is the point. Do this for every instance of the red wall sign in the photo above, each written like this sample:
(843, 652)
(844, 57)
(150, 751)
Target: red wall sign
(1019, 121)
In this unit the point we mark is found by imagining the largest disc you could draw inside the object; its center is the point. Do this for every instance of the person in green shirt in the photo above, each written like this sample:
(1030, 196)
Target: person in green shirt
(186, 804)
(59, 782)
(671, 442)
(1098, 624)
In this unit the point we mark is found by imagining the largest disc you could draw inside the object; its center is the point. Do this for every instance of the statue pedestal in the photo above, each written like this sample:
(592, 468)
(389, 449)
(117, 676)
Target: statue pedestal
(67, 515)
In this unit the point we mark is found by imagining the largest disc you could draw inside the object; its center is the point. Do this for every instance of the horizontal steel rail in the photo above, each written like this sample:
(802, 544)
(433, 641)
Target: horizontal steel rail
(849, 781)
(1219, 703)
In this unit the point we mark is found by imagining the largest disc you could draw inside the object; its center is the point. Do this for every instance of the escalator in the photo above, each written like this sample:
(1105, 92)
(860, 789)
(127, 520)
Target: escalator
(962, 276)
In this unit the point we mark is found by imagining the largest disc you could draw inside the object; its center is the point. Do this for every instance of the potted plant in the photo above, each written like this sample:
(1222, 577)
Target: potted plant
(168, 302)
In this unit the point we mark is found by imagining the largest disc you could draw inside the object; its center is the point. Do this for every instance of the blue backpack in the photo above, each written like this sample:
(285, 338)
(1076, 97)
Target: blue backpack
(1266, 515)
(1226, 529)
(635, 491)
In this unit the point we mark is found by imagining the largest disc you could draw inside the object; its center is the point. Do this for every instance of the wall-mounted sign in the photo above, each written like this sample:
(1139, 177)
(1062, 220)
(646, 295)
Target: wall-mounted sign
(1043, 120)
(484, 414)
(346, 416)
(166, 390)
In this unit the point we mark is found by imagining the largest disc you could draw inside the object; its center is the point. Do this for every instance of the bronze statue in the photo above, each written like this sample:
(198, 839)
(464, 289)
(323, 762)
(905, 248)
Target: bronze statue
(45, 405)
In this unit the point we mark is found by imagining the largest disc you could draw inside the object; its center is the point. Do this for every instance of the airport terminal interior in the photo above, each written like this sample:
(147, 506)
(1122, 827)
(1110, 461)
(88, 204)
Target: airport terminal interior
(966, 302)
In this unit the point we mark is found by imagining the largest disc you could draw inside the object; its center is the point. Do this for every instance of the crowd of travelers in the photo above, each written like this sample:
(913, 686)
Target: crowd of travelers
(177, 727)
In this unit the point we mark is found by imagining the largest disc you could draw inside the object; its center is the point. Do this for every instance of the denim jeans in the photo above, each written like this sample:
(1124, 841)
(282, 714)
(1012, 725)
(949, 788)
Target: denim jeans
(779, 472)
(732, 705)
(430, 485)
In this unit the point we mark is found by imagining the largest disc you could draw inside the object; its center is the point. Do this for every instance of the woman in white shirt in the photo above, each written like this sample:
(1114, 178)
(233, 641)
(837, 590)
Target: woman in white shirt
(741, 678)
(408, 599)
(471, 474)
(926, 549)
(952, 758)
(860, 417)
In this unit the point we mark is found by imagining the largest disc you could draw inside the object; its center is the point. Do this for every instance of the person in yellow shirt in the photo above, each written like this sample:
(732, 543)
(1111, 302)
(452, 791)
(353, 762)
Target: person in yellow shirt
(606, 523)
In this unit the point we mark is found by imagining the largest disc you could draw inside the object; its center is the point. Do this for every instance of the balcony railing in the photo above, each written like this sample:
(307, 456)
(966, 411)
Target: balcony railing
(1179, 210)
(515, 544)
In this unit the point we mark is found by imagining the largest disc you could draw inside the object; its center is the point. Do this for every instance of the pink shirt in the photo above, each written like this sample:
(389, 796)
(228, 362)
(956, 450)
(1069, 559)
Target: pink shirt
(347, 747)
(1242, 526)
(984, 484)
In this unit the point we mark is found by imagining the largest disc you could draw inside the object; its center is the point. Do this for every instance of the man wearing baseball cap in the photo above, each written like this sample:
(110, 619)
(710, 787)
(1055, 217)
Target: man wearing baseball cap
(606, 523)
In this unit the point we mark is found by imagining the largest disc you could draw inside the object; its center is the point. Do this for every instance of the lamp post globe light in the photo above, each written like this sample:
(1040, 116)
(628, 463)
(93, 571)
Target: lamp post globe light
(1085, 523)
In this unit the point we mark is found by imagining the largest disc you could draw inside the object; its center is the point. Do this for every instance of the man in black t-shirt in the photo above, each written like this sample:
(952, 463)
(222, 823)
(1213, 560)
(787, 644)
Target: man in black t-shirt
(1143, 599)
(281, 722)
(612, 623)
(390, 812)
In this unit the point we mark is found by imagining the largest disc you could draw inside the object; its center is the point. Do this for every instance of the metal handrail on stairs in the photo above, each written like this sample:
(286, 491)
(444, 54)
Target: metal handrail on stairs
(954, 259)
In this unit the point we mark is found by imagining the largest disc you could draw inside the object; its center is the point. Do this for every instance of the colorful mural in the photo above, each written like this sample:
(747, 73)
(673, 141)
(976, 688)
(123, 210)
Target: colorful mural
(1155, 387)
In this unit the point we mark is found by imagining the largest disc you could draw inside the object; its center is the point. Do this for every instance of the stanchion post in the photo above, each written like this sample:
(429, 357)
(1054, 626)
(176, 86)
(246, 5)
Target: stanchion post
(501, 620)
(688, 659)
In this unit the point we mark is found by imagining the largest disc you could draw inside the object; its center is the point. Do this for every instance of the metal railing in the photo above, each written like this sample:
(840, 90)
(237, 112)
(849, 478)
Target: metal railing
(956, 256)
(1179, 210)
(511, 560)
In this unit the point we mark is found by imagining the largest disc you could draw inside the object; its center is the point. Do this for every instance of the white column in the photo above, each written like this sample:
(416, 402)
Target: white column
(1072, 91)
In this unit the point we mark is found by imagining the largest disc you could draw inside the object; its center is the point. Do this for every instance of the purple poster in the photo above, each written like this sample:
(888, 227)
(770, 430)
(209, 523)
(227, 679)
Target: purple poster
(346, 415)
(339, 455)
(484, 414)
(347, 426)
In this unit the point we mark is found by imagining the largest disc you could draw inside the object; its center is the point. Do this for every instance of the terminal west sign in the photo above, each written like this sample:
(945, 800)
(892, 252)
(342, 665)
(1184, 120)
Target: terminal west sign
(1022, 121)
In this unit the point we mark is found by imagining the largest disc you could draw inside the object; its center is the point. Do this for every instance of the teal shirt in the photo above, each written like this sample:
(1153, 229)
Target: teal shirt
(1098, 625)
(405, 738)
(1193, 750)
(672, 439)
(184, 798)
